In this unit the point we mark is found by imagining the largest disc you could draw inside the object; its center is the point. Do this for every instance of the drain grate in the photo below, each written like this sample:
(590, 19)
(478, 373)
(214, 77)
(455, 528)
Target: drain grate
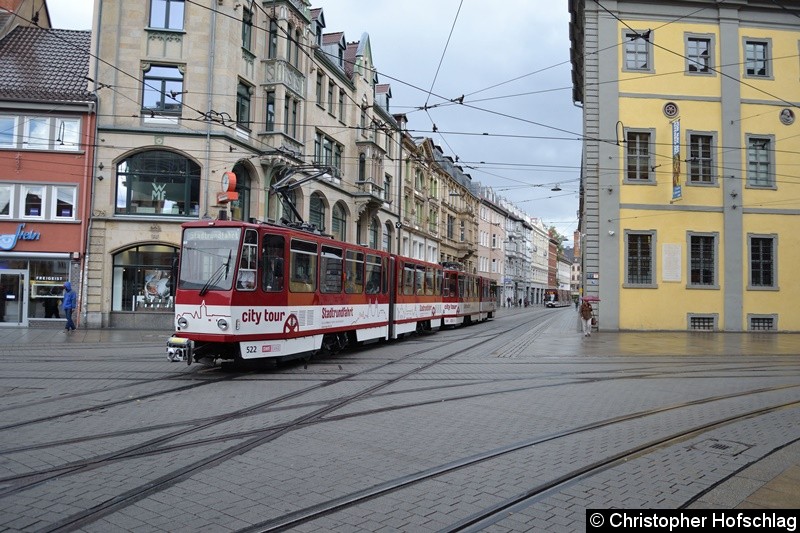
(721, 447)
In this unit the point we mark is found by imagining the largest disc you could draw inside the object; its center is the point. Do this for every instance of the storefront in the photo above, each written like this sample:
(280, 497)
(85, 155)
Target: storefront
(143, 284)
(32, 286)
(36, 259)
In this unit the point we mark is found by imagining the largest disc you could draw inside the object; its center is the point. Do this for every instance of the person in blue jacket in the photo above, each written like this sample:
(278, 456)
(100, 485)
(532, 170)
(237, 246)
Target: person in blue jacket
(69, 306)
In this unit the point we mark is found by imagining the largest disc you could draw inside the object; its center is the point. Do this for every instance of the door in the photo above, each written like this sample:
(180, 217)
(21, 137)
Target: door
(14, 298)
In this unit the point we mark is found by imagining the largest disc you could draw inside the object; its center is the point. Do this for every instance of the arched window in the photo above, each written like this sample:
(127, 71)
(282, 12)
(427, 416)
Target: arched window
(316, 211)
(240, 208)
(158, 183)
(339, 222)
(374, 234)
(143, 278)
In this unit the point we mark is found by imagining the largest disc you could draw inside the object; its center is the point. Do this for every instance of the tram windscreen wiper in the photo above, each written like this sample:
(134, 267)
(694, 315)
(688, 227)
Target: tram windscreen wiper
(224, 267)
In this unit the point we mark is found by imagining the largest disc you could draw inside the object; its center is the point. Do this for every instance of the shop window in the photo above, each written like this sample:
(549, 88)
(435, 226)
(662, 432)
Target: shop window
(143, 278)
(158, 183)
(47, 279)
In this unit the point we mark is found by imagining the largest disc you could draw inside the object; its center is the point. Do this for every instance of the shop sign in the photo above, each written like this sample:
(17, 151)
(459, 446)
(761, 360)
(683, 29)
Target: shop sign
(9, 240)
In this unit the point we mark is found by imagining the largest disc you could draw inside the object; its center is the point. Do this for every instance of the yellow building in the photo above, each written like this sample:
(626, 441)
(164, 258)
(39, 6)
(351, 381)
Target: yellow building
(690, 210)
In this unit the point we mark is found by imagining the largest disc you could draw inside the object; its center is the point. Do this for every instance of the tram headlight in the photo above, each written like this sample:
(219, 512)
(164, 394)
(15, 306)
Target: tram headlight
(183, 323)
(222, 324)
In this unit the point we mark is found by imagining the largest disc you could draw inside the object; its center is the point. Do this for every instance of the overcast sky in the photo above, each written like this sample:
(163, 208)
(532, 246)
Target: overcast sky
(517, 129)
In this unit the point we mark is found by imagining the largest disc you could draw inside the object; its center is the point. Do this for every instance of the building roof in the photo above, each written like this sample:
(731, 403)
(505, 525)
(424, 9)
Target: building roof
(44, 65)
(350, 54)
(332, 38)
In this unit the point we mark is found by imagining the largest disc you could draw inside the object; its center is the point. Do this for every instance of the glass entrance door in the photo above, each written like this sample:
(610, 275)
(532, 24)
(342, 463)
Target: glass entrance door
(13, 298)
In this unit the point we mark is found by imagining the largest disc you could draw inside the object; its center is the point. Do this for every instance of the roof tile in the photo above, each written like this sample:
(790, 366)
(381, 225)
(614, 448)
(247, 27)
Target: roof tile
(45, 65)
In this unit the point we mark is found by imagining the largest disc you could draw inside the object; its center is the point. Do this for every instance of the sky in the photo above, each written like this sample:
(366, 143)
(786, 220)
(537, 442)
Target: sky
(517, 129)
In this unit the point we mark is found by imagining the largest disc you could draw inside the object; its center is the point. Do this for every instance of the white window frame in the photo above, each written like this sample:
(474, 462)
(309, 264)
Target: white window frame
(24, 190)
(10, 189)
(71, 140)
(14, 120)
(54, 204)
(27, 130)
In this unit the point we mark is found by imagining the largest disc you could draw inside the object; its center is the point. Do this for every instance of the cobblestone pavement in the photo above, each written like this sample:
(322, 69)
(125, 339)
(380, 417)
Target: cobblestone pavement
(100, 433)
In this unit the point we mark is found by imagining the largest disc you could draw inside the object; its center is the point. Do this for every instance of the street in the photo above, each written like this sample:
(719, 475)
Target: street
(517, 424)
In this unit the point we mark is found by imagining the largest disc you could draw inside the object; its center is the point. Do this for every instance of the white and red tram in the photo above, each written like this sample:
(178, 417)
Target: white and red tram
(252, 291)
(467, 298)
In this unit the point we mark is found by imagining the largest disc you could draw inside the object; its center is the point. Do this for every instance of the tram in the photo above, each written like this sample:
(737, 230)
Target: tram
(467, 297)
(557, 298)
(262, 290)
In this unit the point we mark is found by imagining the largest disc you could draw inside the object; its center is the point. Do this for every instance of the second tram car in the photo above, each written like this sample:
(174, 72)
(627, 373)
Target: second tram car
(557, 298)
(256, 290)
(467, 297)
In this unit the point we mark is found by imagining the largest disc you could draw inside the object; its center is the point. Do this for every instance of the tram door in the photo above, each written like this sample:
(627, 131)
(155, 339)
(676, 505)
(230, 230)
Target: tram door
(13, 298)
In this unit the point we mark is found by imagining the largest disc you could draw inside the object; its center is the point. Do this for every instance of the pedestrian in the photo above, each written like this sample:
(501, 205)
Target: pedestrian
(3, 293)
(51, 304)
(508, 301)
(520, 302)
(69, 306)
(586, 318)
(576, 304)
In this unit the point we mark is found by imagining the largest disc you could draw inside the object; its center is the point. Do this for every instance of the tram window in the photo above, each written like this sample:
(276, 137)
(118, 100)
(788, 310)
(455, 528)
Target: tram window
(373, 274)
(386, 274)
(462, 287)
(420, 280)
(272, 263)
(429, 281)
(303, 266)
(354, 272)
(246, 279)
(331, 268)
(408, 279)
(439, 275)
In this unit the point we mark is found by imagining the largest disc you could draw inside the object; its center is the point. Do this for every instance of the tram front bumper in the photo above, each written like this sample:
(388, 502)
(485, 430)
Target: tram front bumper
(179, 349)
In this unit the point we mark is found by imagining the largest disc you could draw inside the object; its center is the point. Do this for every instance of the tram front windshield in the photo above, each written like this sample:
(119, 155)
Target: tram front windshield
(208, 257)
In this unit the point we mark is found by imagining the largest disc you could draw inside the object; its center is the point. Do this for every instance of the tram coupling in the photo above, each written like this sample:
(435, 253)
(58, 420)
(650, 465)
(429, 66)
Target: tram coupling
(179, 349)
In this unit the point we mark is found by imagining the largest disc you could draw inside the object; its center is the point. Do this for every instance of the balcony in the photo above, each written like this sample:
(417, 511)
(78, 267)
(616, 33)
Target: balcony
(368, 196)
(279, 71)
(466, 249)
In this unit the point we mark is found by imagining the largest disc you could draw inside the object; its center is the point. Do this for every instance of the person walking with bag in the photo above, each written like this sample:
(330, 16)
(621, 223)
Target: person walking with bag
(70, 299)
(586, 318)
